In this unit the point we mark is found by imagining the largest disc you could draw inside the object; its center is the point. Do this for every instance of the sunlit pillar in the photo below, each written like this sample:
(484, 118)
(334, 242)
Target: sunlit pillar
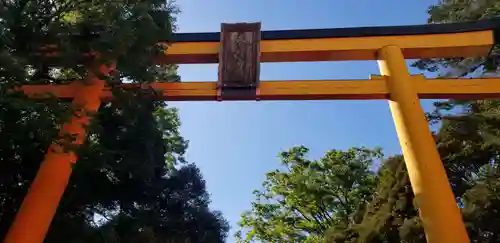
(40, 204)
(435, 200)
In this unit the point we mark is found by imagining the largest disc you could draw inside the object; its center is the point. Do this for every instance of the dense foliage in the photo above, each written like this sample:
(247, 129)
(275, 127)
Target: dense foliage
(300, 202)
(131, 183)
(469, 144)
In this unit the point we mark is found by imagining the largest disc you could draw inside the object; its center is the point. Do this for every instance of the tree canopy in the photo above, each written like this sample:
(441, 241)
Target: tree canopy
(300, 202)
(131, 182)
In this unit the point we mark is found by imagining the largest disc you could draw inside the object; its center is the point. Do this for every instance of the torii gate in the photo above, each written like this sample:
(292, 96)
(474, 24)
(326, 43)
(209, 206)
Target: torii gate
(240, 48)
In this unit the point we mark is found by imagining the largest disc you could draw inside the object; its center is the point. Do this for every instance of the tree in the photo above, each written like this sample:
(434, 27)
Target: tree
(481, 203)
(179, 213)
(131, 183)
(449, 11)
(307, 197)
(467, 141)
(125, 32)
(391, 216)
(469, 137)
(469, 147)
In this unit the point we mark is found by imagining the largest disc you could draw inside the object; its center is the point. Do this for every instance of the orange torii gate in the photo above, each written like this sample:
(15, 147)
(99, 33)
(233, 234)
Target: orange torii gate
(240, 48)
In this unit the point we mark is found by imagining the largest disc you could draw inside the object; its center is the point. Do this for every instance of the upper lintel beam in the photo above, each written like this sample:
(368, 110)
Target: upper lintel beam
(469, 44)
(378, 31)
(472, 39)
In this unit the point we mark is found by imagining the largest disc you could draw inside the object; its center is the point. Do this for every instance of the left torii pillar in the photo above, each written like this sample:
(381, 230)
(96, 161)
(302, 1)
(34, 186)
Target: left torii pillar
(40, 204)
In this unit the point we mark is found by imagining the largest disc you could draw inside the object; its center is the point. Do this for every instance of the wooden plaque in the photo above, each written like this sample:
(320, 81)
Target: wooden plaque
(239, 56)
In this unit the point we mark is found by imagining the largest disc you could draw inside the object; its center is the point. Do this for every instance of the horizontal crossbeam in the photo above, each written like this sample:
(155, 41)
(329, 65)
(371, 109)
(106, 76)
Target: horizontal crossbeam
(469, 44)
(375, 88)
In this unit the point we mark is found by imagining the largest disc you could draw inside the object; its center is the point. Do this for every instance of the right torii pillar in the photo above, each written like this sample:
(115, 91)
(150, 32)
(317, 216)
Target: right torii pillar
(435, 200)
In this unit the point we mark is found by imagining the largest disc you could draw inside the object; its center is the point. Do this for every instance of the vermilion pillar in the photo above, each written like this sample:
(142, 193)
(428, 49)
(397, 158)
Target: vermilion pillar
(435, 200)
(40, 204)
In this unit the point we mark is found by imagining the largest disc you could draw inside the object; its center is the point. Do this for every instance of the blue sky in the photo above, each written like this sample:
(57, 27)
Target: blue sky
(236, 143)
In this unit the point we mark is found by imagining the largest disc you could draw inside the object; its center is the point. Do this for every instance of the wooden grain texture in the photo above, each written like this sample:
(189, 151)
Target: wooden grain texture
(239, 56)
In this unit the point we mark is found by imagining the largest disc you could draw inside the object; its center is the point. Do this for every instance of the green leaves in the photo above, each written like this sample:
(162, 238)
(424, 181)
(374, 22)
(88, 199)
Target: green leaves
(301, 201)
(447, 11)
(131, 183)
(125, 32)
